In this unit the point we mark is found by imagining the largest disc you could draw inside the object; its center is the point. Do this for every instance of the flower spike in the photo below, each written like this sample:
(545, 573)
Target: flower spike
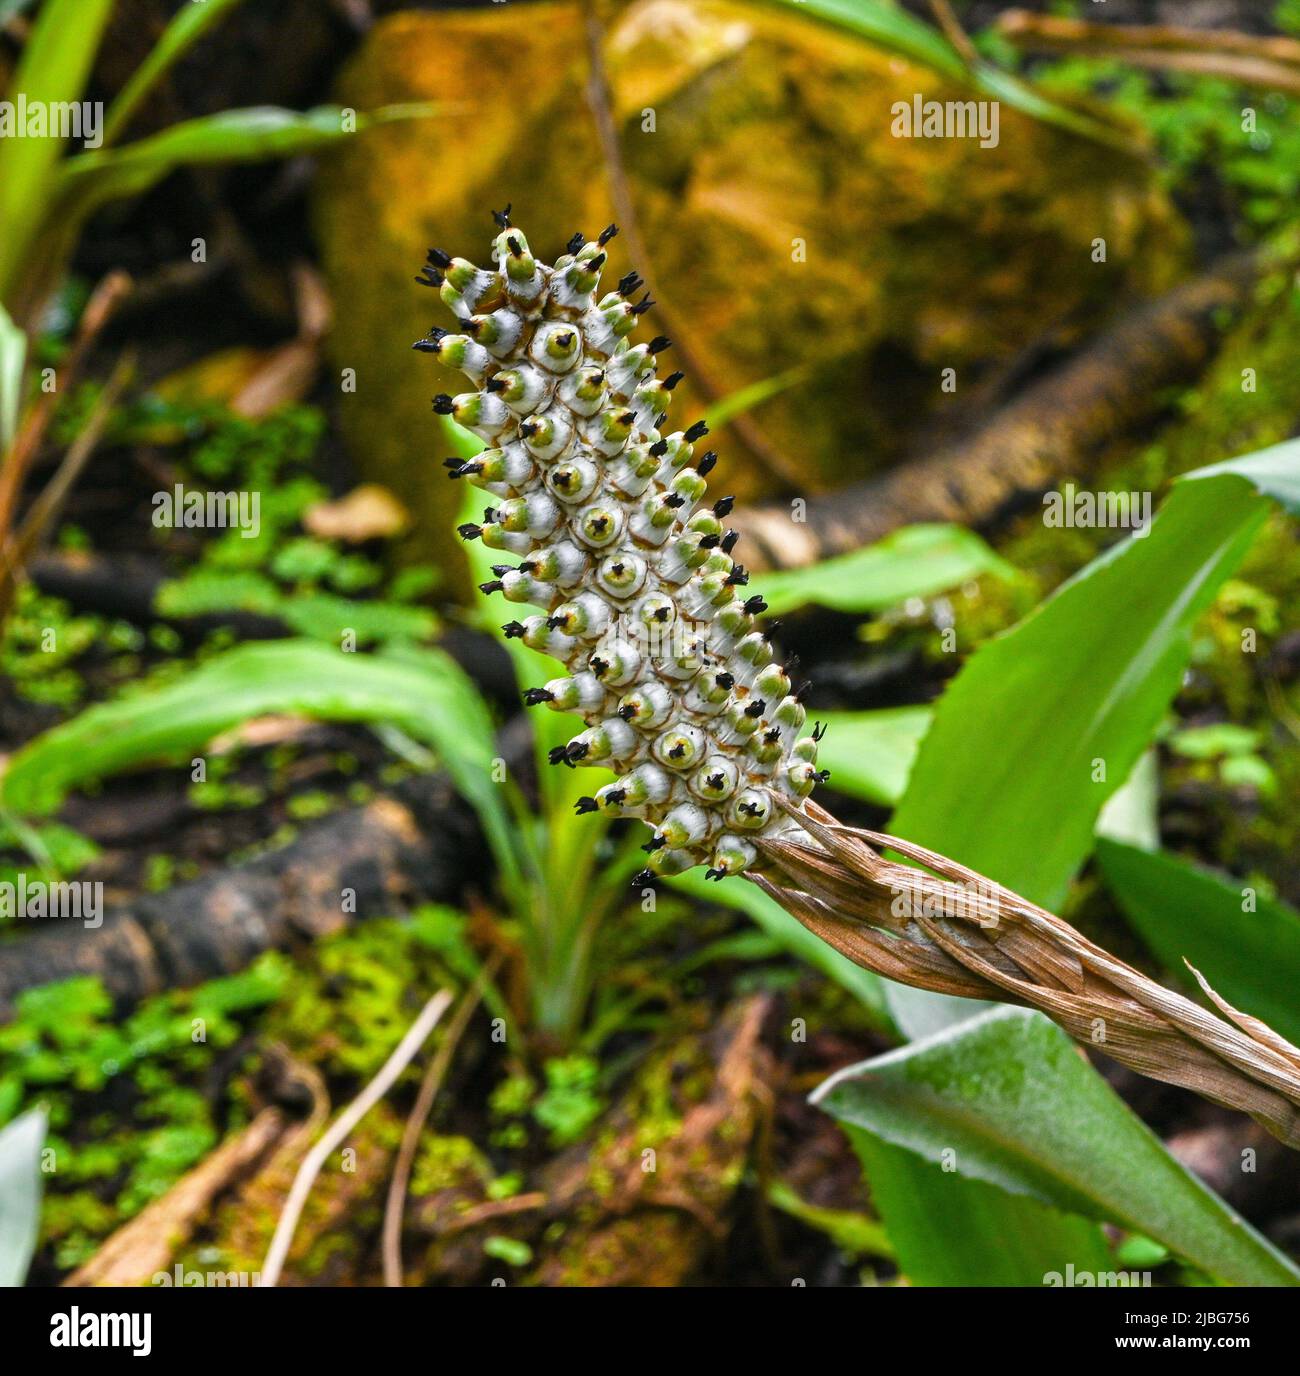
(678, 688)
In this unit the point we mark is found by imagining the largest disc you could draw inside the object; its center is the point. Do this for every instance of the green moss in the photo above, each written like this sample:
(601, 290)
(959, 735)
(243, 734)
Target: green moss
(446, 1163)
(41, 643)
(135, 1104)
(129, 1113)
(367, 986)
(306, 806)
(569, 1103)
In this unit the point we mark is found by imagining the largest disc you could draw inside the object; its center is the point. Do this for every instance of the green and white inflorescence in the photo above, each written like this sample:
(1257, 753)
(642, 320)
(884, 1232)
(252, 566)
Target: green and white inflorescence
(603, 508)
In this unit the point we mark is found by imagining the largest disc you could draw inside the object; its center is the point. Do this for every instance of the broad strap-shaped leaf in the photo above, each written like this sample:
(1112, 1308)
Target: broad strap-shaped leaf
(951, 1247)
(53, 69)
(1005, 779)
(870, 754)
(1009, 1098)
(251, 135)
(917, 561)
(188, 25)
(1275, 472)
(1044, 723)
(424, 692)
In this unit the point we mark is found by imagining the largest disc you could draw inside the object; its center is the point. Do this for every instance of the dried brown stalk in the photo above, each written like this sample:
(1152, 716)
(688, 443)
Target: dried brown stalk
(953, 931)
(16, 462)
(953, 31)
(1065, 33)
(341, 1127)
(1253, 60)
(436, 1073)
(48, 504)
(104, 301)
(599, 98)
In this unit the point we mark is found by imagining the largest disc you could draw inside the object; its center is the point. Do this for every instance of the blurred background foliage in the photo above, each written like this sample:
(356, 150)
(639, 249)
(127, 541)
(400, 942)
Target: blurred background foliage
(178, 722)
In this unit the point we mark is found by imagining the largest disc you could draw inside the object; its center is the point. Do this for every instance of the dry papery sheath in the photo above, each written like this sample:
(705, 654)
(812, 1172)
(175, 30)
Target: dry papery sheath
(602, 507)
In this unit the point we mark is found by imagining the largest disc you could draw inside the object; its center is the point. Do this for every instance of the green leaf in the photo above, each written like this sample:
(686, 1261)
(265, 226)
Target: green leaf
(13, 356)
(1003, 780)
(1007, 780)
(90, 180)
(887, 26)
(252, 135)
(746, 398)
(766, 913)
(326, 617)
(1008, 1098)
(188, 25)
(1274, 471)
(57, 849)
(1184, 912)
(916, 561)
(424, 692)
(870, 754)
(1212, 741)
(949, 1246)
(53, 68)
(20, 1194)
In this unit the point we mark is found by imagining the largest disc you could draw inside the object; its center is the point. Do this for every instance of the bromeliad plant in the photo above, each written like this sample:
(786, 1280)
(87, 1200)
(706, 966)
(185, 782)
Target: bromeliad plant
(684, 699)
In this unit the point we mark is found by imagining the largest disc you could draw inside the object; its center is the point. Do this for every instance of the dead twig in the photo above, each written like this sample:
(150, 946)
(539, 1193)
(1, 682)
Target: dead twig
(46, 508)
(337, 1134)
(395, 1204)
(104, 301)
(949, 929)
(1248, 58)
(1044, 28)
(599, 99)
(492, 1209)
(953, 31)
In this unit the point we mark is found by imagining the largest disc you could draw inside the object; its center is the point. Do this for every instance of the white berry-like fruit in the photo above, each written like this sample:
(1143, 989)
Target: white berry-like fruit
(602, 511)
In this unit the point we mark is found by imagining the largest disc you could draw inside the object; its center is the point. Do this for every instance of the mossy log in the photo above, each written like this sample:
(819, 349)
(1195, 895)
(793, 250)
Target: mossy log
(1057, 428)
(646, 1202)
(415, 844)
